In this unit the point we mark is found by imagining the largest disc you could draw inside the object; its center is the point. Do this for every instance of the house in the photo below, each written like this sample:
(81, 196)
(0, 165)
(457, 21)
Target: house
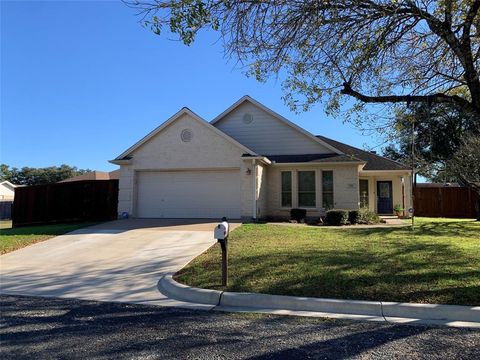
(94, 175)
(250, 162)
(7, 191)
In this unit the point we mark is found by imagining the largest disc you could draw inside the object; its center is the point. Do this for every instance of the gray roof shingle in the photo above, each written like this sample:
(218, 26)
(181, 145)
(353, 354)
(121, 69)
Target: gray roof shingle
(374, 161)
(313, 158)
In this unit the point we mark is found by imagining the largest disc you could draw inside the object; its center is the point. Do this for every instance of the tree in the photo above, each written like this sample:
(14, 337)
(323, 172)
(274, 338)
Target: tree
(465, 165)
(439, 132)
(376, 51)
(39, 176)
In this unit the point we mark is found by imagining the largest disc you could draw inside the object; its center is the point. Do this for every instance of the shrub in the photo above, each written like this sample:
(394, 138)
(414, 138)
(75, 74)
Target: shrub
(368, 217)
(336, 217)
(298, 214)
(353, 216)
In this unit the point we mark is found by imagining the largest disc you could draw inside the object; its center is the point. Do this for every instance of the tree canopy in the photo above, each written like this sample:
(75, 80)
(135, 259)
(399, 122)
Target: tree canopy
(465, 163)
(39, 176)
(439, 132)
(375, 51)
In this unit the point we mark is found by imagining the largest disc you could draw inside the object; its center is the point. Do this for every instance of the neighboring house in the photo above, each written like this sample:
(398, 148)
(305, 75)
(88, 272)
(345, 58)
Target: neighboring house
(7, 190)
(250, 162)
(95, 175)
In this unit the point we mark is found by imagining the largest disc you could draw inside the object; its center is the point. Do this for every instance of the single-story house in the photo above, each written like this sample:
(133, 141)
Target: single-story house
(250, 162)
(94, 175)
(7, 190)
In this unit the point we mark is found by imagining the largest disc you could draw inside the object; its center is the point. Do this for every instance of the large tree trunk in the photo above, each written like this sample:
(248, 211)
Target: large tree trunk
(475, 187)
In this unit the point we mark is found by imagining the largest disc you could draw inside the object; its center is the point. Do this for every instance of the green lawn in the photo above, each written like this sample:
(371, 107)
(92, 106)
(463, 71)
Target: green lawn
(439, 262)
(16, 238)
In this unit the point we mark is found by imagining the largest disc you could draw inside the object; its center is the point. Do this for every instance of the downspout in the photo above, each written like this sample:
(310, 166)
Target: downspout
(254, 187)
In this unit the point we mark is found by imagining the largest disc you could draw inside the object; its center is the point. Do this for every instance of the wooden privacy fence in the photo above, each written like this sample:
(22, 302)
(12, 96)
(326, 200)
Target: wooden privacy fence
(450, 202)
(88, 200)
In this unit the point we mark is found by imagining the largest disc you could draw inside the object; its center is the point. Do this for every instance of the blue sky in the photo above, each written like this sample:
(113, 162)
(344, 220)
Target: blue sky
(83, 81)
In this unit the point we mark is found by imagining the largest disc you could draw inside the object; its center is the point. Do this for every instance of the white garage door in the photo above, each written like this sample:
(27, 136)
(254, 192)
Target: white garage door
(188, 194)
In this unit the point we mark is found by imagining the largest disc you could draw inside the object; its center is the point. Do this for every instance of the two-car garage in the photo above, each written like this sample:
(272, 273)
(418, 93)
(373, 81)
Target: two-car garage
(188, 194)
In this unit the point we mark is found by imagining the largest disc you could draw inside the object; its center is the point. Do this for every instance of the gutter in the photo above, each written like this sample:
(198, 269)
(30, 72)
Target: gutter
(312, 163)
(263, 159)
(120, 161)
(386, 171)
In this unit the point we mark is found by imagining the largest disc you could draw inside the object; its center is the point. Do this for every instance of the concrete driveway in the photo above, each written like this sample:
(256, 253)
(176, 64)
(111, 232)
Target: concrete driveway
(116, 261)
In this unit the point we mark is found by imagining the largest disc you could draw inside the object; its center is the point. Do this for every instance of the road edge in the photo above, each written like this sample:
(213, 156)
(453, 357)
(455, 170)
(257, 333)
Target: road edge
(405, 313)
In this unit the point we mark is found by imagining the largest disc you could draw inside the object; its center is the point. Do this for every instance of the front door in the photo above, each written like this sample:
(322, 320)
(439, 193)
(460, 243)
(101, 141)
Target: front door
(384, 196)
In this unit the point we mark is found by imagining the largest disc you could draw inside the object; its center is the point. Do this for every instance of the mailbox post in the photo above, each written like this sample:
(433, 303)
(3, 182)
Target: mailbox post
(221, 234)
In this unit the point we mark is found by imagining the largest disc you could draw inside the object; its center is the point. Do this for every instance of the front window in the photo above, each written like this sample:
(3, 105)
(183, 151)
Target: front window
(327, 189)
(306, 188)
(286, 189)
(363, 193)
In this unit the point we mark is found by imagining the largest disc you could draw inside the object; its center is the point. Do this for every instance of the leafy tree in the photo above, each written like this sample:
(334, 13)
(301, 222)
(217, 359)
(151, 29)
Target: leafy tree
(39, 176)
(439, 132)
(5, 172)
(465, 163)
(465, 166)
(376, 51)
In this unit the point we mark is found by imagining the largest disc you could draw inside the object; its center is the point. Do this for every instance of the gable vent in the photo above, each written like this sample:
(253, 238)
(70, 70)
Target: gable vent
(247, 118)
(186, 135)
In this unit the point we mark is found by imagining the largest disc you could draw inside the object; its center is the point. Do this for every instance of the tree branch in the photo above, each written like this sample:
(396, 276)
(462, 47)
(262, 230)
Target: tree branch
(430, 99)
(467, 25)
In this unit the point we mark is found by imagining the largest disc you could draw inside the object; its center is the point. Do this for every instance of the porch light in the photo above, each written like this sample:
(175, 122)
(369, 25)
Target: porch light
(248, 171)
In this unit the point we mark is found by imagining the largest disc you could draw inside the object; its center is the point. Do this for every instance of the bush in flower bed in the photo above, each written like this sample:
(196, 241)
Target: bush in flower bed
(353, 217)
(336, 217)
(368, 217)
(298, 215)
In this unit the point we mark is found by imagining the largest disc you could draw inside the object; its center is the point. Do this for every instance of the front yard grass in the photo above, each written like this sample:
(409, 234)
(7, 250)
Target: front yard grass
(16, 238)
(438, 262)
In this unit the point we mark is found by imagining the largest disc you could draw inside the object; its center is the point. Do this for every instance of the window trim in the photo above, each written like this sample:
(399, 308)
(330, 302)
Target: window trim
(314, 189)
(291, 189)
(333, 188)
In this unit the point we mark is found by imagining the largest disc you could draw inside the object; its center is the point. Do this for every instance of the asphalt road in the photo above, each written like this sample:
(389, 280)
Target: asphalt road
(49, 328)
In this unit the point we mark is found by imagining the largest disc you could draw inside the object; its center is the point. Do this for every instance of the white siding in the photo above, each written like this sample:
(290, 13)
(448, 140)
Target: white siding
(6, 193)
(267, 135)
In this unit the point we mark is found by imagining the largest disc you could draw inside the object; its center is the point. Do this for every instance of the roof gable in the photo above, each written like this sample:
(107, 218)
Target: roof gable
(178, 115)
(8, 185)
(301, 133)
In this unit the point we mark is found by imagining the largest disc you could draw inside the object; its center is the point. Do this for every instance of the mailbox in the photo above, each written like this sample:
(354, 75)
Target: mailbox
(221, 231)
(221, 234)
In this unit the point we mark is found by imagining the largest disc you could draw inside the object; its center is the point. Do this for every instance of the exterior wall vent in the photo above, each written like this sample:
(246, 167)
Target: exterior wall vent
(247, 118)
(186, 135)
